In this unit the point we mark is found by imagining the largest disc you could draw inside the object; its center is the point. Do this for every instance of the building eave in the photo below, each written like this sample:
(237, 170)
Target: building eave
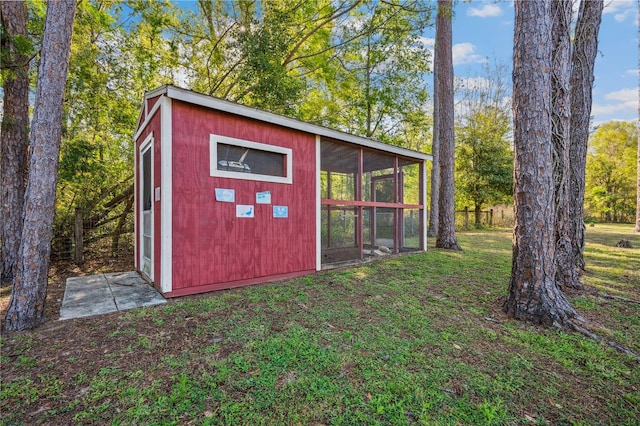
(207, 101)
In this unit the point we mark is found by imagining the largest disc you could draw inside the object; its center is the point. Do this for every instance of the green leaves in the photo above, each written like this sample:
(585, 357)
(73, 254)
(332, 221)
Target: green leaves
(484, 156)
(611, 171)
(380, 89)
(484, 159)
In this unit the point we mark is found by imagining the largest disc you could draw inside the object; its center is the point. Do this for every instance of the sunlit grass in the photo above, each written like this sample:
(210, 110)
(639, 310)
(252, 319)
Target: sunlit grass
(612, 269)
(417, 339)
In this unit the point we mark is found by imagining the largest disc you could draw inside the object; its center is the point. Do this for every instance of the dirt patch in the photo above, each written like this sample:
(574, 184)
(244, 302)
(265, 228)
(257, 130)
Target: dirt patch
(60, 270)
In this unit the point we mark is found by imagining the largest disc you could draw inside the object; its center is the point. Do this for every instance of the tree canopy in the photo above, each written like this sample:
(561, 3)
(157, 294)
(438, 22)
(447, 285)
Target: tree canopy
(355, 65)
(484, 159)
(484, 155)
(611, 172)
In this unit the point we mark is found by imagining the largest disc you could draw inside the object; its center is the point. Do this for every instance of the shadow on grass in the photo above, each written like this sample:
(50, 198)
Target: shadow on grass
(418, 339)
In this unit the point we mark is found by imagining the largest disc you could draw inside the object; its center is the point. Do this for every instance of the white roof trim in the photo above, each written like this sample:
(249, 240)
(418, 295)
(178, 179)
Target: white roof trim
(147, 118)
(192, 97)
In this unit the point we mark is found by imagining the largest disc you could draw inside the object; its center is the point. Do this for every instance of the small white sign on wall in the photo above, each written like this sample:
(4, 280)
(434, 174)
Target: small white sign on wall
(263, 197)
(157, 194)
(281, 211)
(225, 195)
(244, 210)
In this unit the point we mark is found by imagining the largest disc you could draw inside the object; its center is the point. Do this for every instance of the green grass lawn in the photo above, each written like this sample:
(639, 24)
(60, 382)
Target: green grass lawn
(417, 339)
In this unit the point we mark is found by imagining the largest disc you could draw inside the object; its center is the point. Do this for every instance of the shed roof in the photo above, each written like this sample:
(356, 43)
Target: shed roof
(207, 101)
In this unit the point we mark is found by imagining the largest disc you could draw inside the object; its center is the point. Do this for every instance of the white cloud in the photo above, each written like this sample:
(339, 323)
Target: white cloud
(464, 53)
(428, 41)
(608, 109)
(615, 6)
(486, 11)
(624, 95)
(430, 44)
(620, 9)
(621, 17)
(621, 103)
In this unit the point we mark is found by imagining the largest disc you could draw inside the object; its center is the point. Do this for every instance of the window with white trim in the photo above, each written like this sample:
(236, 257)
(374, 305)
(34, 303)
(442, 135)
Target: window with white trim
(241, 159)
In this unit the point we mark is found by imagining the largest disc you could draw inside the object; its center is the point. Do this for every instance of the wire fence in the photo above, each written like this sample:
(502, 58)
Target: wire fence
(88, 236)
(495, 217)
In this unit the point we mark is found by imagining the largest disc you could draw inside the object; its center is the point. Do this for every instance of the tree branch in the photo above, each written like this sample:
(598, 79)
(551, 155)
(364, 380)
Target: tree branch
(314, 30)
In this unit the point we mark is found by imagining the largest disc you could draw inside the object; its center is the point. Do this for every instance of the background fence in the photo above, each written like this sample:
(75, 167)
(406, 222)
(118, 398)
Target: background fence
(495, 217)
(87, 235)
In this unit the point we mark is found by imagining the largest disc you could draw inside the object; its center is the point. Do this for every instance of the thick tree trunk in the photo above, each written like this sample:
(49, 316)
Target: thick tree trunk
(477, 209)
(446, 207)
(583, 60)
(28, 295)
(14, 136)
(533, 293)
(638, 124)
(566, 270)
(435, 152)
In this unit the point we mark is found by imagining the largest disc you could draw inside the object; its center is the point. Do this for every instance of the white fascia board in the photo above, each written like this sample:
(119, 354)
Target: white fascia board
(156, 92)
(256, 114)
(148, 118)
(144, 108)
(166, 196)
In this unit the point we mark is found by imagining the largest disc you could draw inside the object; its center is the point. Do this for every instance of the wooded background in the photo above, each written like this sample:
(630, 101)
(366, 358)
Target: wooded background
(357, 66)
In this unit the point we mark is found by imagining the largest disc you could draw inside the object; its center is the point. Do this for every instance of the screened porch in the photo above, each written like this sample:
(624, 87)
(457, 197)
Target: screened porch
(372, 203)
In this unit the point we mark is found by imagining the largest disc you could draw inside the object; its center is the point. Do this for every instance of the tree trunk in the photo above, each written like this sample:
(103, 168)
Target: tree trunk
(28, 295)
(533, 293)
(566, 270)
(14, 136)
(446, 207)
(583, 59)
(638, 124)
(435, 152)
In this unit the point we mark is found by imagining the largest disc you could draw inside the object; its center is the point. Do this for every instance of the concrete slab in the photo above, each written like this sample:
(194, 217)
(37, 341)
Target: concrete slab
(105, 293)
(131, 291)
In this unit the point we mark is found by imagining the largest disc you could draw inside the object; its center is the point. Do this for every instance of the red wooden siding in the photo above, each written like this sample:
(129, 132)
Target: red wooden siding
(210, 244)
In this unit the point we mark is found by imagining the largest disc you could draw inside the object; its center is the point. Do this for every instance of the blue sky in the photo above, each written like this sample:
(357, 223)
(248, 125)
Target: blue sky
(484, 29)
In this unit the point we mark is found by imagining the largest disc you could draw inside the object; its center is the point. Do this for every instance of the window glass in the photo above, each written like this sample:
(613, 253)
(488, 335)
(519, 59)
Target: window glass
(241, 159)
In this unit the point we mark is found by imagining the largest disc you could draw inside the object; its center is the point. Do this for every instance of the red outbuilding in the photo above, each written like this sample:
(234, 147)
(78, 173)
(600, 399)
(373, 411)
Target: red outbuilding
(228, 195)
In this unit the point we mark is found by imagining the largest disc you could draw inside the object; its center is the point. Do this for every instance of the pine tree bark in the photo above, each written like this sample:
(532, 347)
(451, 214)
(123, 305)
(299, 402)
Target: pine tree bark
(435, 152)
(29, 291)
(566, 270)
(533, 293)
(585, 48)
(14, 136)
(638, 124)
(446, 207)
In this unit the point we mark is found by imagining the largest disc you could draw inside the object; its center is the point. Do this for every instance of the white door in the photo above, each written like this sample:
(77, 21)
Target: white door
(146, 209)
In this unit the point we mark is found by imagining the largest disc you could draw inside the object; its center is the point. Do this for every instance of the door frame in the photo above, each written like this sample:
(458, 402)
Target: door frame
(146, 145)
